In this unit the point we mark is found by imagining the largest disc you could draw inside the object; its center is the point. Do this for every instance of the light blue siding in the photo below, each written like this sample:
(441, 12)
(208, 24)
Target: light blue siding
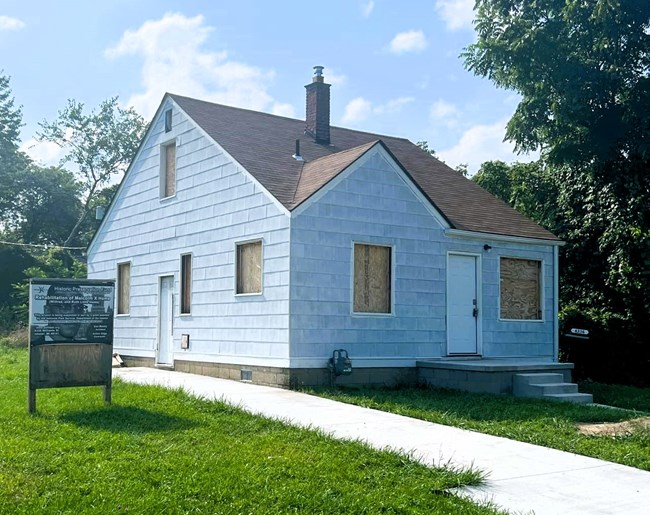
(216, 205)
(373, 204)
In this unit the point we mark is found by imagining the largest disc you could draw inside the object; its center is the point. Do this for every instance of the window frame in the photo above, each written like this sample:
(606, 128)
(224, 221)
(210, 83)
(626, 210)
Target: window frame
(163, 169)
(390, 313)
(184, 284)
(168, 120)
(236, 274)
(119, 285)
(541, 299)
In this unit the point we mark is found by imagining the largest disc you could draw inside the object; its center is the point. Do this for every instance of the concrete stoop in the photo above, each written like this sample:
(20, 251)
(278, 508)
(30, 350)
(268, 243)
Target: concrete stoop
(548, 386)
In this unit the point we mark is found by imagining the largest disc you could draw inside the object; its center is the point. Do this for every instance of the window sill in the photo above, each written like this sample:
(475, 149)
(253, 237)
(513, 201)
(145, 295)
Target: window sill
(372, 315)
(257, 294)
(535, 320)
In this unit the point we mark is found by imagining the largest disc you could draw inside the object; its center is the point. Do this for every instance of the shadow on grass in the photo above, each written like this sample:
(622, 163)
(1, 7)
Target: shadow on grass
(127, 419)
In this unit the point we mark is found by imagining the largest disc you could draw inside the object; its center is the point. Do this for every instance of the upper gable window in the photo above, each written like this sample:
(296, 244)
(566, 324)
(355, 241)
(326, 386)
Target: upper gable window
(520, 289)
(168, 170)
(372, 279)
(168, 120)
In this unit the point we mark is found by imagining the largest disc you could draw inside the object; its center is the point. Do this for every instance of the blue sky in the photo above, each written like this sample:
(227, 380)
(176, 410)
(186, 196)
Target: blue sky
(394, 66)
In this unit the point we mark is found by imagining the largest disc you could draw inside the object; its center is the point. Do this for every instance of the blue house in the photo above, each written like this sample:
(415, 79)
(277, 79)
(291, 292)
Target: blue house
(251, 246)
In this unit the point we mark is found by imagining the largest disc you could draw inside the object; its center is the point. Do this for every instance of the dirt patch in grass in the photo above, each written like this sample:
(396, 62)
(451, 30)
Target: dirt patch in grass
(626, 427)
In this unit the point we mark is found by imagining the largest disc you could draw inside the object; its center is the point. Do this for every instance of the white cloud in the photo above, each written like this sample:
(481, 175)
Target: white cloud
(357, 110)
(360, 109)
(445, 113)
(44, 153)
(283, 110)
(410, 41)
(393, 106)
(8, 23)
(175, 59)
(334, 78)
(367, 8)
(457, 14)
(482, 143)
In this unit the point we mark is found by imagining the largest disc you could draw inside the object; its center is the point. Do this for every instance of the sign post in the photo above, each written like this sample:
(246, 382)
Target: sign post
(70, 335)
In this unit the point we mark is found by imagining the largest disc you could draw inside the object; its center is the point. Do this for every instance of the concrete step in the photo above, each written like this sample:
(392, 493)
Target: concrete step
(577, 398)
(552, 388)
(548, 386)
(538, 378)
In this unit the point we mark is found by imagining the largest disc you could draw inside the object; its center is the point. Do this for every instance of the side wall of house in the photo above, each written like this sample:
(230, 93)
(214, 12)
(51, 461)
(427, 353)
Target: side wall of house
(373, 204)
(215, 206)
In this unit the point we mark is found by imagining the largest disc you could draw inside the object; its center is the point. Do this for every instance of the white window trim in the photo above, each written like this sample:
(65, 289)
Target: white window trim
(180, 284)
(392, 280)
(162, 170)
(118, 285)
(255, 294)
(541, 290)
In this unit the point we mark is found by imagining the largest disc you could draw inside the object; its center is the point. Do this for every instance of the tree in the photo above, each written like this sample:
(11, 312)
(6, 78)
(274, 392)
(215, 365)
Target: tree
(582, 69)
(531, 188)
(45, 206)
(101, 145)
(12, 160)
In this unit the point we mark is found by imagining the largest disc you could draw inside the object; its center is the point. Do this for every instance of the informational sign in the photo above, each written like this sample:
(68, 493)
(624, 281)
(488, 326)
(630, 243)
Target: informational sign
(582, 332)
(70, 334)
(71, 311)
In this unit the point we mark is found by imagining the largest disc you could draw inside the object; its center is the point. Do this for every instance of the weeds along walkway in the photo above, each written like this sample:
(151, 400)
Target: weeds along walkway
(522, 477)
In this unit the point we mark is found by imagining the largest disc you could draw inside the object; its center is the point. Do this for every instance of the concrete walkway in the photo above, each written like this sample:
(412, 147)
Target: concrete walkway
(523, 478)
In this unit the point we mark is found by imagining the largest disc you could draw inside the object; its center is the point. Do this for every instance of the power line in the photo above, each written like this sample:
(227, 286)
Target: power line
(40, 245)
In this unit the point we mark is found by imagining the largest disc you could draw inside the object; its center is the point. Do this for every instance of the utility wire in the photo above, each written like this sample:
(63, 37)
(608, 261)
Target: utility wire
(40, 245)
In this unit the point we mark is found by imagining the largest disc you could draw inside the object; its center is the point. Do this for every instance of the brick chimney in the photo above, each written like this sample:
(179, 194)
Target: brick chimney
(318, 108)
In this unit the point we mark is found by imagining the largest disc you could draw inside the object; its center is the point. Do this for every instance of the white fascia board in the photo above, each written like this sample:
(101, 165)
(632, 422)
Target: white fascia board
(377, 149)
(238, 165)
(471, 235)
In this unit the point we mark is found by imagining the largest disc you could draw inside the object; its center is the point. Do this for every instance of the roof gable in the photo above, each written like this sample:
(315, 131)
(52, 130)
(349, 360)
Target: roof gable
(264, 144)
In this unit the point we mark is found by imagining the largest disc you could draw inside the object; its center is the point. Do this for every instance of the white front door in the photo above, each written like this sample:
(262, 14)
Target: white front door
(462, 304)
(165, 321)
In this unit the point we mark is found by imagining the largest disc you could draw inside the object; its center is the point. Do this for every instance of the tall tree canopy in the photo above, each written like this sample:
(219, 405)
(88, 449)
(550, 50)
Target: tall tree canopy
(12, 160)
(582, 69)
(101, 145)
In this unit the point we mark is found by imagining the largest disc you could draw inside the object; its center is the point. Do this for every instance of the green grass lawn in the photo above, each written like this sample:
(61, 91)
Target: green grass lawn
(541, 422)
(160, 451)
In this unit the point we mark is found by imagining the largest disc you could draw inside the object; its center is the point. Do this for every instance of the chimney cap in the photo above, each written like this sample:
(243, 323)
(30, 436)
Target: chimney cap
(318, 74)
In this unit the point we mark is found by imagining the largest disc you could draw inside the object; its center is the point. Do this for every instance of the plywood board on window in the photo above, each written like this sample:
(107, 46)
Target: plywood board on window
(520, 289)
(170, 170)
(372, 279)
(249, 267)
(124, 288)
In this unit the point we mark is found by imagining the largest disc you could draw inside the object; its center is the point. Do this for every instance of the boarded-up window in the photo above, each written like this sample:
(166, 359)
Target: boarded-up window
(186, 283)
(168, 120)
(249, 267)
(168, 175)
(520, 289)
(123, 288)
(372, 279)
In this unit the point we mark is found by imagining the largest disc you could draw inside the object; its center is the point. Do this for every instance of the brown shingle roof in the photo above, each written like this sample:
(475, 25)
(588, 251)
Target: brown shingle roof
(263, 144)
